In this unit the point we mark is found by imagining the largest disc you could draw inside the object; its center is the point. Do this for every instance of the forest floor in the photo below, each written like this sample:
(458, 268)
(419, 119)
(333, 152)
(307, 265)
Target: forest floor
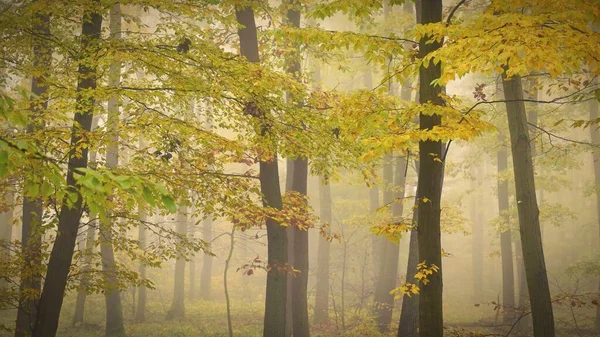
(208, 319)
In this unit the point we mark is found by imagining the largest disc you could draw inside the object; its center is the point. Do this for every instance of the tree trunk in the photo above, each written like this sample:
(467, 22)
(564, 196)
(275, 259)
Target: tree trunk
(477, 238)
(322, 286)
(114, 308)
(6, 228)
(595, 138)
(389, 265)
(430, 185)
(140, 313)
(177, 309)
(289, 317)
(275, 301)
(68, 220)
(31, 230)
(531, 241)
(90, 239)
(409, 316)
(79, 314)
(508, 276)
(300, 281)
(206, 274)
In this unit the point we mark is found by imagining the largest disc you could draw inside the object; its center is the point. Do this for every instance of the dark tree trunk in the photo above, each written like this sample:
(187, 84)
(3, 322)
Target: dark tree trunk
(68, 220)
(206, 274)
(430, 185)
(31, 235)
(508, 276)
(322, 286)
(529, 224)
(595, 138)
(114, 308)
(275, 301)
(289, 317)
(140, 313)
(177, 309)
(409, 316)
(300, 281)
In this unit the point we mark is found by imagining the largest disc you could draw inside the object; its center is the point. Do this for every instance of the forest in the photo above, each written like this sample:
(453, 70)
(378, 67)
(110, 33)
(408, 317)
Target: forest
(301, 168)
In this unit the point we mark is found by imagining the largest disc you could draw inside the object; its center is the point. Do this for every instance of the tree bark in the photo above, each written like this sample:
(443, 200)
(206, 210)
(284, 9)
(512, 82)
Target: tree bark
(409, 316)
(289, 317)
(300, 281)
(31, 235)
(275, 301)
(322, 286)
(529, 224)
(430, 185)
(177, 309)
(508, 276)
(206, 274)
(140, 313)
(595, 138)
(68, 220)
(114, 308)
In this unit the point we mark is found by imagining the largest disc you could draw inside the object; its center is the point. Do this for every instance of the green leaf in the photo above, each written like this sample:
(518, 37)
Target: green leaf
(148, 196)
(3, 157)
(169, 203)
(46, 189)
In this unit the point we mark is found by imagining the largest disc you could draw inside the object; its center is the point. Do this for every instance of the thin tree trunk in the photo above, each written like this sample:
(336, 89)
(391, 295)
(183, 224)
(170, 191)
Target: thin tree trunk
(79, 314)
(275, 301)
(409, 316)
(206, 274)
(477, 239)
(389, 266)
(322, 286)
(90, 239)
(595, 137)
(177, 309)
(226, 290)
(289, 317)
(31, 235)
(70, 215)
(140, 313)
(508, 276)
(6, 227)
(531, 241)
(300, 280)
(431, 172)
(114, 308)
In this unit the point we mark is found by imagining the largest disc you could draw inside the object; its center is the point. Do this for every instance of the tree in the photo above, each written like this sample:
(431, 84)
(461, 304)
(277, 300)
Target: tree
(508, 277)
(430, 183)
(409, 315)
(529, 223)
(595, 137)
(140, 312)
(114, 309)
(31, 235)
(177, 309)
(322, 287)
(275, 299)
(68, 223)
(388, 266)
(206, 274)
